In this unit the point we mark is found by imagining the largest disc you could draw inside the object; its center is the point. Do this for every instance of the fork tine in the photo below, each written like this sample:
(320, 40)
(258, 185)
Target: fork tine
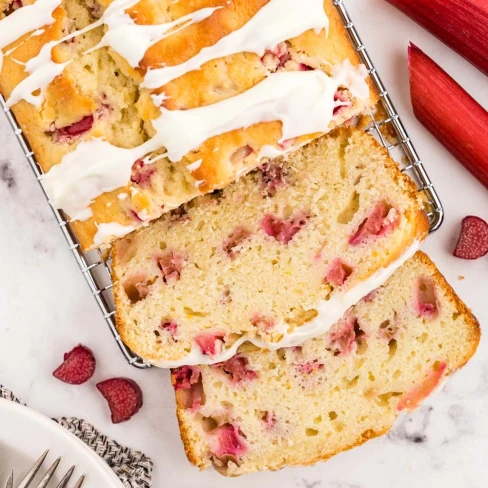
(10, 481)
(33, 471)
(66, 478)
(47, 477)
(80, 482)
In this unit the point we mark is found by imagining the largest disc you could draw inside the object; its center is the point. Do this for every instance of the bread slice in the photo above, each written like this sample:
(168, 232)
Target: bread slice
(100, 95)
(274, 259)
(296, 406)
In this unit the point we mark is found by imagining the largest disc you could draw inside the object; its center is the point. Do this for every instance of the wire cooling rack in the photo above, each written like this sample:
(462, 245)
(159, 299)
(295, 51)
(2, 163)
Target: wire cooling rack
(384, 123)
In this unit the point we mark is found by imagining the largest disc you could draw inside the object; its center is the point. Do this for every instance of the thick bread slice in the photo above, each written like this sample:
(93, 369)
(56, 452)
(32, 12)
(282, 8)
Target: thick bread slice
(276, 258)
(99, 95)
(296, 406)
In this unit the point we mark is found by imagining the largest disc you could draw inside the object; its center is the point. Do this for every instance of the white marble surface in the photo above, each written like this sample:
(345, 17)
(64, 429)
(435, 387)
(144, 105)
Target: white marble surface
(46, 309)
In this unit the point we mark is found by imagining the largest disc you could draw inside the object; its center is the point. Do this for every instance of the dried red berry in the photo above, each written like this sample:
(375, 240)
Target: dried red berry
(342, 100)
(124, 398)
(309, 367)
(473, 240)
(78, 367)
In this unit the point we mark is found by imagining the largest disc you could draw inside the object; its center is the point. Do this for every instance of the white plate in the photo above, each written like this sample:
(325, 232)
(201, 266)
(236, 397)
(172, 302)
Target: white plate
(25, 434)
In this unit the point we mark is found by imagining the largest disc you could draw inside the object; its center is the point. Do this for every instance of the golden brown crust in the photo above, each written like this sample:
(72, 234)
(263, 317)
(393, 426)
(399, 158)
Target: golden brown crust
(188, 444)
(325, 457)
(69, 99)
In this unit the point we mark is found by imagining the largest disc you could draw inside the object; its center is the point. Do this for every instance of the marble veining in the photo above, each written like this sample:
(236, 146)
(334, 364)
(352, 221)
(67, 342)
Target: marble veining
(309, 484)
(7, 176)
(412, 428)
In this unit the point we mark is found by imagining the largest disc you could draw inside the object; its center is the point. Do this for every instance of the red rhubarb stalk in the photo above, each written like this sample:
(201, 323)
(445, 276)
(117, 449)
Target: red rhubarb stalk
(461, 24)
(449, 113)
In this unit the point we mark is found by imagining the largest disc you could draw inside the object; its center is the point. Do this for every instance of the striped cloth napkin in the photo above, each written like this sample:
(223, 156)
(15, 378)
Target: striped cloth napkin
(133, 468)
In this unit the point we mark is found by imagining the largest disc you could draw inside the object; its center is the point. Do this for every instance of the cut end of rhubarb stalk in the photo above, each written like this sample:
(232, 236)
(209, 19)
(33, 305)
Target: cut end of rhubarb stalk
(449, 113)
(473, 240)
(124, 398)
(461, 24)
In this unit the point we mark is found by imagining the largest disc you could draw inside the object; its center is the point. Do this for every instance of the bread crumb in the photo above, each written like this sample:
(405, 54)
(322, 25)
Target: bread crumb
(461, 277)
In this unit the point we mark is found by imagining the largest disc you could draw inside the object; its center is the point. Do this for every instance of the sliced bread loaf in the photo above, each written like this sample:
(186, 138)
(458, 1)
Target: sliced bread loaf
(274, 259)
(296, 406)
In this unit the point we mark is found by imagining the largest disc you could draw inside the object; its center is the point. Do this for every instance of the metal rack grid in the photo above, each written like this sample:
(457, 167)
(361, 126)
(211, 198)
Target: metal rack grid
(384, 124)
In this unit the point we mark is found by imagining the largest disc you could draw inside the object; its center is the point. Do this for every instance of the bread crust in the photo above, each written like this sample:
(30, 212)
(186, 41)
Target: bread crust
(69, 101)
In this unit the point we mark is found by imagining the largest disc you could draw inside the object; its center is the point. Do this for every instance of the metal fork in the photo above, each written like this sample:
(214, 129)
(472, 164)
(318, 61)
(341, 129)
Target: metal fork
(26, 482)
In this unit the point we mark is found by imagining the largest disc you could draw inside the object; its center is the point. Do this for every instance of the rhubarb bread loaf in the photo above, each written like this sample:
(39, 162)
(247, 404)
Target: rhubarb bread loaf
(135, 107)
(296, 406)
(274, 258)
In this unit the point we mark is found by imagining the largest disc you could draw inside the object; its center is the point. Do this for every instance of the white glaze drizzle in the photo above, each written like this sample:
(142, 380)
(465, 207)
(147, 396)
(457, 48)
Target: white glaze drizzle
(329, 312)
(121, 28)
(25, 20)
(275, 22)
(302, 100)
(129, 39)
(80, 178)
(106, 232)
(194, 166)
(354, 79)
(132, 40)
(272, 152)
(93, 168)
(42, 71)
